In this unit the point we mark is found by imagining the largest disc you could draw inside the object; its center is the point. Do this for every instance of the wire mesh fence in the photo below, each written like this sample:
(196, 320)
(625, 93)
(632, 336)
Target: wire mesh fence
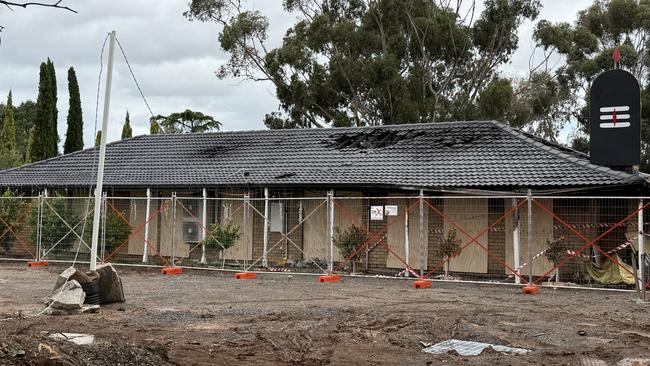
(569, 241)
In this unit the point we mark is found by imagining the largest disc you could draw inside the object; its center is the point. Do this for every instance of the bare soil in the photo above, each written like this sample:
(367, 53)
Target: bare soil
(209, 318)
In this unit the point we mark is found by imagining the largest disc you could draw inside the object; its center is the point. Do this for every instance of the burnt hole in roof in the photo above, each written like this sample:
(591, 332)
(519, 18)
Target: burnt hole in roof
(372, 139)
(285, 175)
(214, 151)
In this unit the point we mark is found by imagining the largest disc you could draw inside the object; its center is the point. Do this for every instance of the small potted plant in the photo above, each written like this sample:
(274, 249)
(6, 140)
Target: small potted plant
(555, 251)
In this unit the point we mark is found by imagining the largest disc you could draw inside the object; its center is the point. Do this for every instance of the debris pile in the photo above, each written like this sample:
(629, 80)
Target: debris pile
(71, 294)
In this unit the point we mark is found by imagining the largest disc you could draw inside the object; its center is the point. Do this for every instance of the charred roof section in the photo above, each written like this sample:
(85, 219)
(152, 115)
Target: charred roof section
(372, 139)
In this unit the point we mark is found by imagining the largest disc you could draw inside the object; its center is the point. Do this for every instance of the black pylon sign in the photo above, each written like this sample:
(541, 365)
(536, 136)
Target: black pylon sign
(615, 119)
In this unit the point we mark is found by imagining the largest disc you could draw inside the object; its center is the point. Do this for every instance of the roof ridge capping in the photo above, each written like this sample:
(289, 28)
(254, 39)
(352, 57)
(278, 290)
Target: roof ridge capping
(578, 158)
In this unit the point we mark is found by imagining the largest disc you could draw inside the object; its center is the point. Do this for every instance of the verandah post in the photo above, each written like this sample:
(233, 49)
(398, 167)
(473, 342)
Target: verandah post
(423, 250)
(330, 231)
(204, 223)
(265, 243)
(641, 251)
(173, 229)
(516, 234)
(530, 237)
(145, 250)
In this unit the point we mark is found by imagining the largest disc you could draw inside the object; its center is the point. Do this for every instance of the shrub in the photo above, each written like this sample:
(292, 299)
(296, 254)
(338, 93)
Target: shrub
(12, 208)
(222, 237)
(53, 229)
(349, 239)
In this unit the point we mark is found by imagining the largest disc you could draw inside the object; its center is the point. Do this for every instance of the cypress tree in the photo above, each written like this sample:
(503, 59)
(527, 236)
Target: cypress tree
(98, 138)
(30, 145)
(74, 139)
(54, 137)
(42, 147)
(154, 127)
(8, 155)
(127, 132)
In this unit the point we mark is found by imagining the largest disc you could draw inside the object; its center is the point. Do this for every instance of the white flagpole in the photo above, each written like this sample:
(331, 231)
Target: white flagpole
(102, 155)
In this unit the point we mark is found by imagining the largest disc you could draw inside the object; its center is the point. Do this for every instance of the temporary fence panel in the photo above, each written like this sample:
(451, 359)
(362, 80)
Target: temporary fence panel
(18, 226)
(472, 216)
(577, 241)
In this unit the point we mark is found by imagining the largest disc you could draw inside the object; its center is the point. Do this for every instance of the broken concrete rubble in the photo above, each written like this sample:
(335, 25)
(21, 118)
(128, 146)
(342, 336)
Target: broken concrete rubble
(69, 296)
(110, 285)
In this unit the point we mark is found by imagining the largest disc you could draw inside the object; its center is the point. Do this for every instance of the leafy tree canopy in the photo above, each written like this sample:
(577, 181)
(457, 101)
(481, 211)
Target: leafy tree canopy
(186, 122)
(368, 62)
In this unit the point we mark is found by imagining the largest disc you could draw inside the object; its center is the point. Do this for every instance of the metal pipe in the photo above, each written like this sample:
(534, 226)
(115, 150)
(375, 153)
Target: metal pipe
(102, 154)
(423, 250)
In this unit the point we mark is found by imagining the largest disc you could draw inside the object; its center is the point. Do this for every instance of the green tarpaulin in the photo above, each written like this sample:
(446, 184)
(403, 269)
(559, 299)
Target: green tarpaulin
(611, 272)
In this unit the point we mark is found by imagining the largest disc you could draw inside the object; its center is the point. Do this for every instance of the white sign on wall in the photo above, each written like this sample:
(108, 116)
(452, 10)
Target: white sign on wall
(376, 213)
(391, 210)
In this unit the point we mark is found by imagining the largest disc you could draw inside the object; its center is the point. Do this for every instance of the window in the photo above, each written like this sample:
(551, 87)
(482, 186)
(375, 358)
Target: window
(276, 216)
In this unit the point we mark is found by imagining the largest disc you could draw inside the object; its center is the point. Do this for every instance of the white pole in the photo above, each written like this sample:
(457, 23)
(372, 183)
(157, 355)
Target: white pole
(247, 200)
(406, 238)
(174, 229)
(641, 251)
(530, 237)
(516, 234)
(423, 250)
(265, 243)
(204, 230)
(102, 155)
(330, 230)
(145, 251)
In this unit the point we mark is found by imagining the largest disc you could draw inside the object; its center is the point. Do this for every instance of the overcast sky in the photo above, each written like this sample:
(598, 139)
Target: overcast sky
(173, 59)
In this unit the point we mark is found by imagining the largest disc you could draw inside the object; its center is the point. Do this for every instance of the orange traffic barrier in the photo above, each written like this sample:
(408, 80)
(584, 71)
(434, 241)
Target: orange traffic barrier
(246, 275)
(38, 264)
(171, 270)
(531, 290)
(421, 284)
(329, 278)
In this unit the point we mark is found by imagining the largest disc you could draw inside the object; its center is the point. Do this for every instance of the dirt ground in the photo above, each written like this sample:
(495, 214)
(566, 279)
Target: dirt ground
(209, 318)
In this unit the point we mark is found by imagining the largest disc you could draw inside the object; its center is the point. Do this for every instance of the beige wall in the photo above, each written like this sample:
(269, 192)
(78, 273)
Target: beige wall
(396, 234)
(235, 212)
(472, 216)
(346, 213)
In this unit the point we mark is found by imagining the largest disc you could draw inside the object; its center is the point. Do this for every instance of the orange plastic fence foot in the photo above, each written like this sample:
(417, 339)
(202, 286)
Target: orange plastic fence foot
(171, 270)
(246, 275)
(329, 278)
(531, 290)
(421, 284)
(37, 264)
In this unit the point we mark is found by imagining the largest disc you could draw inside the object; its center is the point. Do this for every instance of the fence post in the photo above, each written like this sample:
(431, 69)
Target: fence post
(330, 231)
(641, 250)
(406, 239)
(247, 202)
(145, 250)
(265, 262)
(39, 223)
(516, 234)
(103, 217)
(204, 223)
(423, 250)
(173, 229)
(530, 237)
